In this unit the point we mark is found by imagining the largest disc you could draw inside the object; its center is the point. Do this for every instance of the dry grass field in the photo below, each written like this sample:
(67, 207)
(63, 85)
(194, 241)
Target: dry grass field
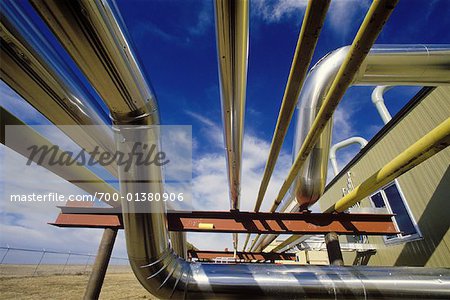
(120, 283)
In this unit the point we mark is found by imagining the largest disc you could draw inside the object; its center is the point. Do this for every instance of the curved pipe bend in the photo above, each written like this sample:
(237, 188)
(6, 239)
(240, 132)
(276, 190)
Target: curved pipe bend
(378, 100)
(159, 269)
(422, 65)
(342, 144)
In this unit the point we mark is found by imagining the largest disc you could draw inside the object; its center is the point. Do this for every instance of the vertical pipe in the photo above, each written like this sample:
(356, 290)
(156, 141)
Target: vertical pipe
(334, 249)
(100, 266)
(376, 17)
(309, 34)
(378, 101)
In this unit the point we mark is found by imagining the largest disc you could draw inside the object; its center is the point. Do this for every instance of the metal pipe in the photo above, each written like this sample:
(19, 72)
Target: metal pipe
(91, 183)
(35, 70)
(163, 273)
(232, 50)
(94, 35)
(427, 146)
(94, 285)
(385, 64)
(378, 101)
(312, 24)
(307, 40)
(342, 144)
(312, 140)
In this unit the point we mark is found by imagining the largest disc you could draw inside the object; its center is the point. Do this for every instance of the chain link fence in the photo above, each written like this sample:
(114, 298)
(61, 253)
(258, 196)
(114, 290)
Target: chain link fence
(37, 262)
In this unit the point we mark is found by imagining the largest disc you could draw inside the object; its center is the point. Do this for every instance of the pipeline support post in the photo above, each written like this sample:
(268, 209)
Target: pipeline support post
(97, 276)
(334, 249)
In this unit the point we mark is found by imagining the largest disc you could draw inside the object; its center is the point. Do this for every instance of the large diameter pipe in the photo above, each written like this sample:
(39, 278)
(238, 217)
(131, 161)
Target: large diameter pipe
(94, 35)
(310, 153)
(232, 48)
(31, 67)
(414, 65)
(166, 275)
(309, 34)
(376, 17)
(98, 43)
(427, 146)
(362, 142)
(423, 65)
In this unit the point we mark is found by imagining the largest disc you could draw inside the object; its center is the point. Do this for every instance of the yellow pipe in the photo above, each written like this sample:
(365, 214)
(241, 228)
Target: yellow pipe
(307, 40)
(430, 144)
(376, 17)
(309, 34)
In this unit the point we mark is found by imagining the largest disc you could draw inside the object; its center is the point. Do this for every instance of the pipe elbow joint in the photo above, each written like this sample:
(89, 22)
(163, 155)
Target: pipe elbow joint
(165, 277)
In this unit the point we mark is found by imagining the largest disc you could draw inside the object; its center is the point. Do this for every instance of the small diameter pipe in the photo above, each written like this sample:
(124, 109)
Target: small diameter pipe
(342, 144)
(378, 101)
(424, 148)
(376, 17)
(309, 34)
(430, 144)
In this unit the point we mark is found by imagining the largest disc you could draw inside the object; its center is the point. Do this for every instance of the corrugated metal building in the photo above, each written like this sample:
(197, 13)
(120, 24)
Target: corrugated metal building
(420, 198)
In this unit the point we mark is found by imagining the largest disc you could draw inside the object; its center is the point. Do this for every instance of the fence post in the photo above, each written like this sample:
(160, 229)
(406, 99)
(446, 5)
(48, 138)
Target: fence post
(6, 253)
(95, 282)
(67, 260)
(39, 263)
(87, 262)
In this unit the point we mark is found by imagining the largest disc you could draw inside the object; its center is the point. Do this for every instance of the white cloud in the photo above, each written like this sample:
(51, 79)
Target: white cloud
(275, 11)
(204, 19)
(341, 14)
(210, 185)
(24, 224)
(342, 125)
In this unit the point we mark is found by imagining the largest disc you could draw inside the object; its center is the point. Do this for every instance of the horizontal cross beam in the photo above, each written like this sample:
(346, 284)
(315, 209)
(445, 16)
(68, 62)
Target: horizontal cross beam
(241, 222)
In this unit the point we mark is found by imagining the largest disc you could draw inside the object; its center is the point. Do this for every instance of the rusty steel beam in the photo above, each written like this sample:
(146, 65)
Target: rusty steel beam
(88, 221)
(241, 222)
(281, 223)
(205, 255)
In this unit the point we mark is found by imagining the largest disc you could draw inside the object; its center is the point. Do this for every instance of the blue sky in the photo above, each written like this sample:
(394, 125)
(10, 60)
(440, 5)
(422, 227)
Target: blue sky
(175, 41)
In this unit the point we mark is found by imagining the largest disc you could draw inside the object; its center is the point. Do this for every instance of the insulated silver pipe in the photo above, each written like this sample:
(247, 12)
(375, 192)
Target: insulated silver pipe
(94, 35)
(31, 67)
(384, 65)
(164, 274)
(232, 50)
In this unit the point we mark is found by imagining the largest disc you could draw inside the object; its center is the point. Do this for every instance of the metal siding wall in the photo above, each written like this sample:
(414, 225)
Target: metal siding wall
(426, 188)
